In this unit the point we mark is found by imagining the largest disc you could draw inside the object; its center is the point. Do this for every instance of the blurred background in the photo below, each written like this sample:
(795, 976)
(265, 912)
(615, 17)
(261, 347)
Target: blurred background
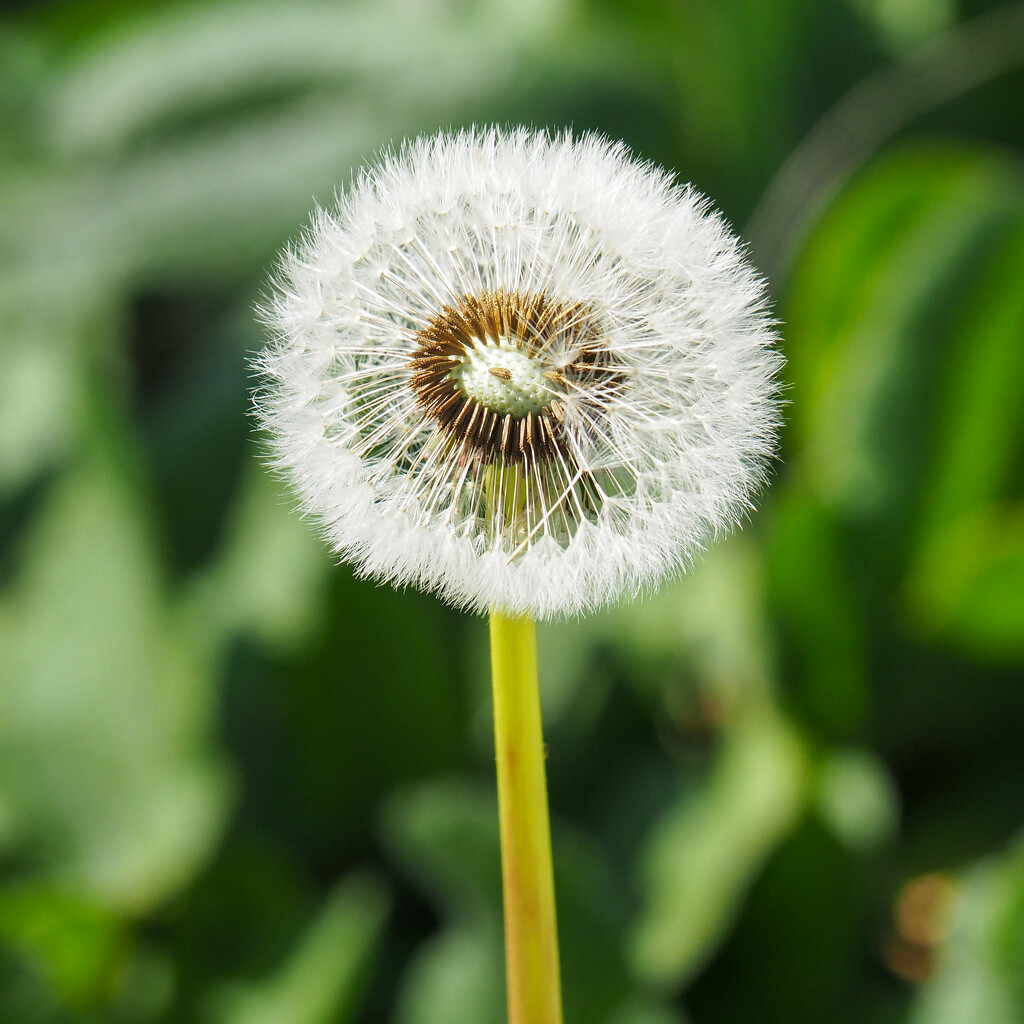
(238, 786)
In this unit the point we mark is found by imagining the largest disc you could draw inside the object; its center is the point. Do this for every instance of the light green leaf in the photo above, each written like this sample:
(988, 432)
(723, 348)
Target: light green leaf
(967, 574)
(646, 1011)
(456, 976)
(981, 971)
(857, 798)
(105, 711)
(812, 596)
(269, 580)
(445, 835)
(39, 399)
(77, 947)
(713, 618)
(210, 204)
(322, 980)
(711, 842)
(905, 22)
(708, 848)
(184, 59)
(44, 344)
(905, 319)
(869, 311)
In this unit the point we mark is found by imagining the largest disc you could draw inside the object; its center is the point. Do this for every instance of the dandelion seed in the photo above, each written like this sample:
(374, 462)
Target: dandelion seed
(524, 371)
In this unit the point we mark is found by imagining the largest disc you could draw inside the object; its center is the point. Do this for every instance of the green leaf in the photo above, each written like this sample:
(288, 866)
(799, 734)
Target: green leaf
(445, 835)
(78, 947)
(857, 798)
(212, 205)
(811, 594)
(322, 980)
(906, 23)
(868, 316)
(105, 710)
(711, 842)
(905, 319)
(44, 342)
(646, 1011)
(712, 618)
(456, 976)
(269, 579)
(187, 59)
(39, 398)
(708, 848)
(981, 970)
(968, 570)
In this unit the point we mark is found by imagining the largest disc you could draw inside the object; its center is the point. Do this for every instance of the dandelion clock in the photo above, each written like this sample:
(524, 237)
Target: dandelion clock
(534, 375)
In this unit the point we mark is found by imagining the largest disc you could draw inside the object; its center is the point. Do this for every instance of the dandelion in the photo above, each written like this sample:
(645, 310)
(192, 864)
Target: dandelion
(522, 371)
(534, 375)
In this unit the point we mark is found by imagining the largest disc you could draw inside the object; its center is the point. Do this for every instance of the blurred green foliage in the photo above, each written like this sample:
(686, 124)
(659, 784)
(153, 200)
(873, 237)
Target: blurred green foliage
(238, 786)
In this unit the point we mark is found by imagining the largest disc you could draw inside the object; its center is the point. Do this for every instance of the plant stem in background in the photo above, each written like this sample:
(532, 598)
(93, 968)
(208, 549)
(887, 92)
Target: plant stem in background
(531, 937)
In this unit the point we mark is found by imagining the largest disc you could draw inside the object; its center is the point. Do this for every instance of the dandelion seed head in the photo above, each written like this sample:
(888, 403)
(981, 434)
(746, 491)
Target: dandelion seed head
(522, 370)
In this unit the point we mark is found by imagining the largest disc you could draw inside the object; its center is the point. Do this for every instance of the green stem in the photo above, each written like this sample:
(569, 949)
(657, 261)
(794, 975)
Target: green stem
(531, 938)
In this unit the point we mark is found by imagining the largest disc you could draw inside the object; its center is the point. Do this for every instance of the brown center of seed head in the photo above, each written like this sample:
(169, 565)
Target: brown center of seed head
(495, 370)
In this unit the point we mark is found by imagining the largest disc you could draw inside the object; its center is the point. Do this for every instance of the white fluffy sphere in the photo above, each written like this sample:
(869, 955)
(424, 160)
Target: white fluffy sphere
(525, 371)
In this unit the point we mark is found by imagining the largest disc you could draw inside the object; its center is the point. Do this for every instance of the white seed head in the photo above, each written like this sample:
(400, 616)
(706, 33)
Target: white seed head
(524, 371)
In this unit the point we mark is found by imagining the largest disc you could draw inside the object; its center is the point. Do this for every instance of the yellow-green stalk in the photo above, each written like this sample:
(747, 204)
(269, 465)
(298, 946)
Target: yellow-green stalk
(531, 936)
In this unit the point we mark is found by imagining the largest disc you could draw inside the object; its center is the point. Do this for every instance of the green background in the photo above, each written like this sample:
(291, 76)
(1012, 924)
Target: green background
(238, 786)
